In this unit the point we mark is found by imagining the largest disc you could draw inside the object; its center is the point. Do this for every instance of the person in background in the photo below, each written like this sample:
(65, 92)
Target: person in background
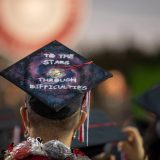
(152, 141)
(149, 148)
(9, 127)
(150, 101)
(58, 82)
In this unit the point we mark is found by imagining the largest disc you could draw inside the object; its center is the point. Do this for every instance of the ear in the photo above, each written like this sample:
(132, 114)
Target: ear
(82, 119)
(24, 116)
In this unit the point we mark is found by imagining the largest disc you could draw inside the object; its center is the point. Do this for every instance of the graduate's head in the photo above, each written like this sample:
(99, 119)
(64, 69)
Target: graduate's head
(57, 80)
(50, 123)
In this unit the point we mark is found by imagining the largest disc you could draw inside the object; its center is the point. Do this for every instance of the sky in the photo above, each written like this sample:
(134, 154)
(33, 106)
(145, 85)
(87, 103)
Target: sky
(94, 23)
(113, 21)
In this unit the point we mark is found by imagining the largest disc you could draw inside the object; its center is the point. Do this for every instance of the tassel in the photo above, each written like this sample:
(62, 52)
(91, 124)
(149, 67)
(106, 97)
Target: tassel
(85, 107)
(81, 129)
(81, 134)
(88, 114)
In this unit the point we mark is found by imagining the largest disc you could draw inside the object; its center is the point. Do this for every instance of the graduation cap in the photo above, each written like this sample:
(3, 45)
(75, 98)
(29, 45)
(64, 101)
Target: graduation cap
(150, 100)
(102, 130)
(55, 76)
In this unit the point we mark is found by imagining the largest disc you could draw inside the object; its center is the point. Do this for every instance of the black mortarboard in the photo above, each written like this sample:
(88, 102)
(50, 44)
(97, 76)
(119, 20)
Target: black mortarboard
(55, 76)
(150, 100)
(102, 130)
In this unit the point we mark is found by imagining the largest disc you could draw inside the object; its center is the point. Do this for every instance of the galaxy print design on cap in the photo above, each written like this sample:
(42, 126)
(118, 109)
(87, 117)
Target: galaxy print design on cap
(55, 75)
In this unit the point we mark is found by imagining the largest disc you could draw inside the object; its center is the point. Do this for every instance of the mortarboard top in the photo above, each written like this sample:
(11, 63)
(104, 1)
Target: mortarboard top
(150, 100)
(101, 131)
(55, 76)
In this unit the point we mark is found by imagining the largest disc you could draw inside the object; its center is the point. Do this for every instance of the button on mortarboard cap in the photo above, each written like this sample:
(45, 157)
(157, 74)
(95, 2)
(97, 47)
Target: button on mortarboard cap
(55, 75)
(150, 100)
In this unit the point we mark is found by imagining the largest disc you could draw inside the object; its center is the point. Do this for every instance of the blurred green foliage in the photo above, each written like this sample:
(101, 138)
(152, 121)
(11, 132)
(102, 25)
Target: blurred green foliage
(141, 70)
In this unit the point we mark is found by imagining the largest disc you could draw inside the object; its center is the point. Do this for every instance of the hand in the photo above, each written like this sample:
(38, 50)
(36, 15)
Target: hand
(133, 148)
